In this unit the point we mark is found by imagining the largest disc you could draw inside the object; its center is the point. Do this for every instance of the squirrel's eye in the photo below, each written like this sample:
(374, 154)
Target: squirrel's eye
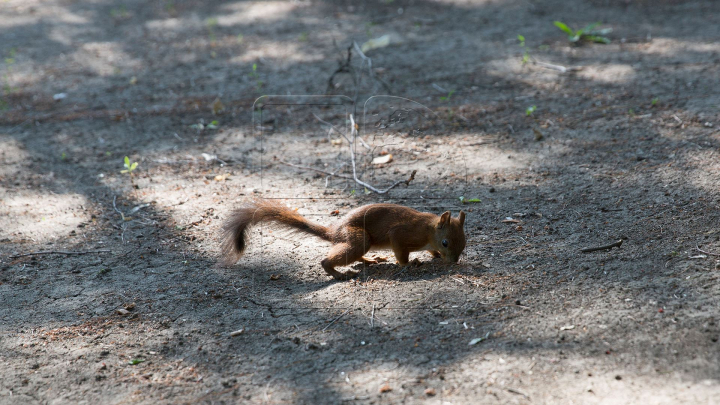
(444, 242)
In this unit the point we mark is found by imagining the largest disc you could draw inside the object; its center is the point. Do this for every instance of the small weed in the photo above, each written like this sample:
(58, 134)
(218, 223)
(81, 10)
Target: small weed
(211, 23)
(464, 200)
(588, 34)
(63, 156)
(7, 87)
(135, 362)
(120, 12)
(654, 101)
(129, 168)
(254, 75)
(526, 54)
(103, 271)
(352, 192)
(213, 125)
(108, 153)
(368, 28)
(170, 7)
(631, 112)
(530, 110)
(447, 98)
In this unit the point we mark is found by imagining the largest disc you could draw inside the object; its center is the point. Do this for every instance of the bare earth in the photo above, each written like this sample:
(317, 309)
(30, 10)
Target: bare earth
(629, 151)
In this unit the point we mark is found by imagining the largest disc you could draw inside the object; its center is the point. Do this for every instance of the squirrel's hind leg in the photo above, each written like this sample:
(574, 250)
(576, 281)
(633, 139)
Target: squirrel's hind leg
(342, 254)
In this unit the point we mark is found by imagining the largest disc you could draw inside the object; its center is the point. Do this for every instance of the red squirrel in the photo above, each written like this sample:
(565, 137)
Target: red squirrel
(373, 226)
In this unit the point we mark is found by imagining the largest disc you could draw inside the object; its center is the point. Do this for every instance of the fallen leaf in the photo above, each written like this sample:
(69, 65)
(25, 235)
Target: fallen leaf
(478, 340)
(375, 43)
(385, 388)
(383, 159)
(430, 392)
(567, 327)
(217, 106)
(275, 277)
(237, 332)
(122, 311)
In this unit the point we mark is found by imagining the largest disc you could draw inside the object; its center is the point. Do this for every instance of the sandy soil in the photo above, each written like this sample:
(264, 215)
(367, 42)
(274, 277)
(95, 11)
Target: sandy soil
(628, 150)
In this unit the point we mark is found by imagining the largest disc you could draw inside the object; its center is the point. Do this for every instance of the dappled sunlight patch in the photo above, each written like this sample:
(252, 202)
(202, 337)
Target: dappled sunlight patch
(244, 13)
(104, 58)
(673, 47)
(610, 73)
(12, 156)
(283, 54)
(40, 216)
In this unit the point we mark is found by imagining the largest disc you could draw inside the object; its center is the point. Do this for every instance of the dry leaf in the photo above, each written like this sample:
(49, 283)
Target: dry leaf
(217, 106)
(383, 159)
(430, 392)
(385, 388)
(122, 311)
(275, 277)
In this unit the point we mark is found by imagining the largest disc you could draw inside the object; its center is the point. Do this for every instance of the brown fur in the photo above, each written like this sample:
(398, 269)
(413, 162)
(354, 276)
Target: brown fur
(399, 228)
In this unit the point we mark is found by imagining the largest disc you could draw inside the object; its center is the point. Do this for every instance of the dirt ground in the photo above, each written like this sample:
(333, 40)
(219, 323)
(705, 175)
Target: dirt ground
(624, 148)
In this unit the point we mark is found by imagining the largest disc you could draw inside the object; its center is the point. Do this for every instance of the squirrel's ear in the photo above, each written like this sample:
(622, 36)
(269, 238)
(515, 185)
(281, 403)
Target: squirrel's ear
(461, 218)
(444, 219)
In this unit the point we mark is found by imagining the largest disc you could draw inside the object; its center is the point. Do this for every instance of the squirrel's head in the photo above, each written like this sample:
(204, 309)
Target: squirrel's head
(450, 236)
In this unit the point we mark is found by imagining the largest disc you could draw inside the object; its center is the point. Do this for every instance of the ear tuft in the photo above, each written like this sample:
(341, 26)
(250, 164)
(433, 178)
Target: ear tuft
(461, 218)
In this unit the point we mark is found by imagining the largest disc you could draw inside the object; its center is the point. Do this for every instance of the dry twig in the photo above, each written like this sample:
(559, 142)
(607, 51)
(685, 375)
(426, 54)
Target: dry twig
(605, 247)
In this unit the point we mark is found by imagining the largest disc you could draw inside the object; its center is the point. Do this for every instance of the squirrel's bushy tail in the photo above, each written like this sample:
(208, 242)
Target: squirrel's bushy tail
(236, 228)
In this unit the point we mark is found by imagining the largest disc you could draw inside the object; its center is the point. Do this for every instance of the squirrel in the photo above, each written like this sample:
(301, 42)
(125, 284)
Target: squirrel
(372, 226)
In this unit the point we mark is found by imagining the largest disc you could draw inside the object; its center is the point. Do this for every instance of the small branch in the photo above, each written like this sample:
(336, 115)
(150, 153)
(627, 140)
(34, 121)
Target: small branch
(559, 68)
(605, 247)
(372, 316)
(336, 319)
(61, 252)
(707, 253)
(117, 210)
(353, 131)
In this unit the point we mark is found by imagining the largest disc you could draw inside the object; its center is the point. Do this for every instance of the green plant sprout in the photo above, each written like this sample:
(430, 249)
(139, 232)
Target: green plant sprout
(589, 33)
(464, 200)
(211, 23)
(526, 54)
(530, 110)
(7, 87)
(129, 168)
(254, 75)
(63, 156)
(447, 98)
(654, 101)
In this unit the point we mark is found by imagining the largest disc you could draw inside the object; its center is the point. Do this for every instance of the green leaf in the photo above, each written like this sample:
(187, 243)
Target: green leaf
(125, 171)
(127, 162)
(588, 29)
(530, 110)
(564, 27)
(134, 362)
(471, 201)
(597, 38)
(133, 166)
(521, 38)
